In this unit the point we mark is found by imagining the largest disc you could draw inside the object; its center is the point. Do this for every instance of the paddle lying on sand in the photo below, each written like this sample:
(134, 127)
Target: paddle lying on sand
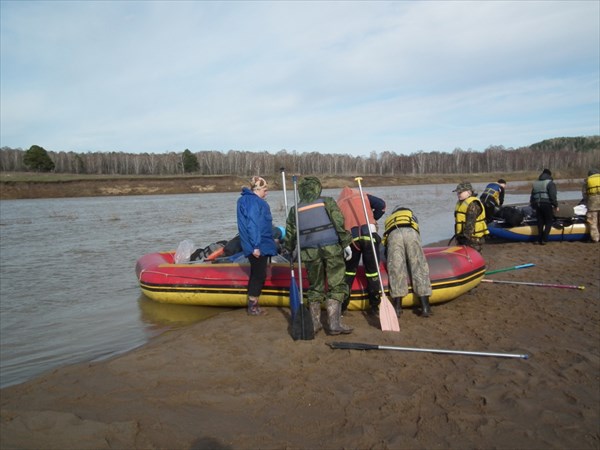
(387, 313)
(528, 283)
(302, 326)
(360, 346)
(521, 266)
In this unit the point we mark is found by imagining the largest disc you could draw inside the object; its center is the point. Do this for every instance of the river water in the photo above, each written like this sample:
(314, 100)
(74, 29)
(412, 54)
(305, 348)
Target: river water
(68, 290)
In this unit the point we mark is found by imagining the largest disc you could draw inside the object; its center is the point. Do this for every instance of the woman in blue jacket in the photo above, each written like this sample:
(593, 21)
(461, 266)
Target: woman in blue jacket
(255, 226)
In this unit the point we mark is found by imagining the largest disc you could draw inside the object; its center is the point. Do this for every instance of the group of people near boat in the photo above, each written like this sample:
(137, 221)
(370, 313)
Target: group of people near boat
(334, 235)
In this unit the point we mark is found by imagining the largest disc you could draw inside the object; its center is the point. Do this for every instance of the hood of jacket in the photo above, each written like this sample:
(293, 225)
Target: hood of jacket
(309, 189)
(545, 176)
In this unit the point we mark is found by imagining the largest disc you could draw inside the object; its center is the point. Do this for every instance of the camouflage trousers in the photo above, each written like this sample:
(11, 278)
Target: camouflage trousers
(593, 219)
(325, 269)
(405, 256)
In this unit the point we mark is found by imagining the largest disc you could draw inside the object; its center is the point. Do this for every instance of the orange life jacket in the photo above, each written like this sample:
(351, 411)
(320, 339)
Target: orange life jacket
(351, 205)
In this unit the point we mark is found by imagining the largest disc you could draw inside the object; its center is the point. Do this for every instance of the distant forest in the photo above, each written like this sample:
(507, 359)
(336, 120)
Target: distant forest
(570, 155)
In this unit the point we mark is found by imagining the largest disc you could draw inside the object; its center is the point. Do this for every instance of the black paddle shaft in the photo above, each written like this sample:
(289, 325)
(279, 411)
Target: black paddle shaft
(353, 346)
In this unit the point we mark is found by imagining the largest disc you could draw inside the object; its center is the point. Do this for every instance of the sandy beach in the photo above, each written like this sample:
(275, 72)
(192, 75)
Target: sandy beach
(239, 382)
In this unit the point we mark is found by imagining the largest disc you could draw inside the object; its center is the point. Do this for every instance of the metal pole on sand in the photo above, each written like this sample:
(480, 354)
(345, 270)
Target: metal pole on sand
(528, 283)
(361, 346)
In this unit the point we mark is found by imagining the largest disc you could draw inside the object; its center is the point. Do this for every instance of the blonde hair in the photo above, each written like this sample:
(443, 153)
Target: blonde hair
(257, 183)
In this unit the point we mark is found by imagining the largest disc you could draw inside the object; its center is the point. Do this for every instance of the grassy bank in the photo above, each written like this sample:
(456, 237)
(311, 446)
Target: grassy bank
(22, 185)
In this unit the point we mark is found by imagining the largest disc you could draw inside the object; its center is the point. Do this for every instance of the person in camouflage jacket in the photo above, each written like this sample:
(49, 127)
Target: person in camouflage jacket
(324, 245)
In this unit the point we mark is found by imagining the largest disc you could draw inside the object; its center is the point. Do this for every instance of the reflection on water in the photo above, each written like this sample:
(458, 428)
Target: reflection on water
(68, 291)
(161, 315)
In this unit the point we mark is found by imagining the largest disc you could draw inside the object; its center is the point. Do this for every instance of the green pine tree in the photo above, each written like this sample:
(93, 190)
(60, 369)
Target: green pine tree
(36, 158)
(190, 162)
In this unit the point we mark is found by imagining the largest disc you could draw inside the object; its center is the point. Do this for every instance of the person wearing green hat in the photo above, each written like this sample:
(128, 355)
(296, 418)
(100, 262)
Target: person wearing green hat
(470, 227)
(324, 245)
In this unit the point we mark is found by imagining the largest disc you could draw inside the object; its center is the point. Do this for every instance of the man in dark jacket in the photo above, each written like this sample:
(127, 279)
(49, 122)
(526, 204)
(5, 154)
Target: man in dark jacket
(492, 198)
(544, 201)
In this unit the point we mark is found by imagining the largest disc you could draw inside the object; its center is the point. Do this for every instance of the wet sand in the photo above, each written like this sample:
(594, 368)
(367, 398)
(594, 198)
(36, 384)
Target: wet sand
(239, 382)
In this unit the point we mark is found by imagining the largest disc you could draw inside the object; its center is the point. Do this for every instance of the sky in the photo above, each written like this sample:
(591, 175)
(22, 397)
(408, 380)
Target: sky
(306, 76)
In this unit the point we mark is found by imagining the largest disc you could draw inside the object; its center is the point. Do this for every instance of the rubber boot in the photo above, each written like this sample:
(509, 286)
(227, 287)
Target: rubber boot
(315, 312)
(374, 302)
(397, 302)
(334, 311)
(253, 308)
(425, 308)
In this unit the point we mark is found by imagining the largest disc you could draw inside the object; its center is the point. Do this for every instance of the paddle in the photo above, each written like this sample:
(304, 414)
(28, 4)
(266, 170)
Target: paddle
(302, 326)
(527, 283)
(387, 313)
(294, 294)
(285, 202)
(521, 266)
(359, 346)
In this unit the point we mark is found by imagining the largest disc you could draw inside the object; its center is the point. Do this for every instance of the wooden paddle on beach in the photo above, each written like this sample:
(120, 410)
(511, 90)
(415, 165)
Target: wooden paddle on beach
(387, 313)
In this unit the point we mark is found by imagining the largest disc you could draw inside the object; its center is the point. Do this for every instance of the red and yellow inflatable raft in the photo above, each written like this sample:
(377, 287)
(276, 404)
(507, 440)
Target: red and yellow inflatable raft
(453, 271)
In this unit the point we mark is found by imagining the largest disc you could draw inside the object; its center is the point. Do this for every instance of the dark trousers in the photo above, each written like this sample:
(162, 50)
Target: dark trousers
(258, 274)
(363, 248)
(544, 214)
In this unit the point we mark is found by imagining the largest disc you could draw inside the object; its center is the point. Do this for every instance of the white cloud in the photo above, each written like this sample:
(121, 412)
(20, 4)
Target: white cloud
(348, 77)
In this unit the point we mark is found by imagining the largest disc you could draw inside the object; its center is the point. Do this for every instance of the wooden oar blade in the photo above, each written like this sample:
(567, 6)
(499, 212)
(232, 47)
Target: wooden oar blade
(387, 315)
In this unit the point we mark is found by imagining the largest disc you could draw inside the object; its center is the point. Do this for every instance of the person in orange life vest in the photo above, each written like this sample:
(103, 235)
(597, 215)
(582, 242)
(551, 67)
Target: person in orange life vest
(492, 198)
(255, 226)
(351, 205)
(544, 201)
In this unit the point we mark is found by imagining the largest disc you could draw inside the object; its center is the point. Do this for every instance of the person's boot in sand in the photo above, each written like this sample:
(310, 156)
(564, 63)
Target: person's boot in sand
(425, 308)
(334, 312)
(253, 308)
(397, 303)
(315, 312)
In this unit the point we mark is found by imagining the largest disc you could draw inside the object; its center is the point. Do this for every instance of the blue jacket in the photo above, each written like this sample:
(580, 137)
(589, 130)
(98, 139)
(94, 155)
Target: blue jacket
(255, 224)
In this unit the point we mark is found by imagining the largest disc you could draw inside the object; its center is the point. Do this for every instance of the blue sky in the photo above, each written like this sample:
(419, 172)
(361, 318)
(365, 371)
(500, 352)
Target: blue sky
(331, 77)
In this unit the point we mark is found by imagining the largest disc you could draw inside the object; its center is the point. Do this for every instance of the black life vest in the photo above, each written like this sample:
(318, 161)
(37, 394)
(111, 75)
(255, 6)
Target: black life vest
(315, 225)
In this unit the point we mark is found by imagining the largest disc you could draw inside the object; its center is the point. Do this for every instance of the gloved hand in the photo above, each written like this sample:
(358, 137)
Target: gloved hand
(348, 253)
(373, 227)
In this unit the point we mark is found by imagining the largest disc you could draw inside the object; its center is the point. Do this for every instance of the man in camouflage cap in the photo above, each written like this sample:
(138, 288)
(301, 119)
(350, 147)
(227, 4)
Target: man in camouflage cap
(469, 217)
